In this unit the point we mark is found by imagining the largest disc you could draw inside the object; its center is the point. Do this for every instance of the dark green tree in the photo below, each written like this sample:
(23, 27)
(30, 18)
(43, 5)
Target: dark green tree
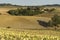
(55, 21)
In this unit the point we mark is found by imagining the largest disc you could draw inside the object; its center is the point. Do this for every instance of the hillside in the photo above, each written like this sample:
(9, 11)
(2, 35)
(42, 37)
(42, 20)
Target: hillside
(20, 22)
(24, 22)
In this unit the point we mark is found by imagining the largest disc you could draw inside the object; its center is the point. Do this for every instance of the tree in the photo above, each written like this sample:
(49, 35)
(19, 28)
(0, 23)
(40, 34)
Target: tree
(28, 8)
(51, 10)
(55, 20)
(12, 12)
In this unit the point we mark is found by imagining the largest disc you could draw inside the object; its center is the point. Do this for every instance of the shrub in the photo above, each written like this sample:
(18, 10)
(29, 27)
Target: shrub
(8, 27)
(0, 13)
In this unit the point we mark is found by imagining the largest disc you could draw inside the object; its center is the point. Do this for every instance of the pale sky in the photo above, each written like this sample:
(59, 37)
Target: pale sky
(31, 2)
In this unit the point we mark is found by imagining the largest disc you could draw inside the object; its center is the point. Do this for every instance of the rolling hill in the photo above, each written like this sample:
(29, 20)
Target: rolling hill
(23, 22)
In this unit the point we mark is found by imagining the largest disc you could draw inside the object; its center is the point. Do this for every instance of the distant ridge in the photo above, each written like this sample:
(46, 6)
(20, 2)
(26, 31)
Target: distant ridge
(7, 4)
(52, 5)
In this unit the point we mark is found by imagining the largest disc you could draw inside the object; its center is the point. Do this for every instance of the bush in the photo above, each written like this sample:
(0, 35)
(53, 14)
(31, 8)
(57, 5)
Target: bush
(8, 27)
(0, 13)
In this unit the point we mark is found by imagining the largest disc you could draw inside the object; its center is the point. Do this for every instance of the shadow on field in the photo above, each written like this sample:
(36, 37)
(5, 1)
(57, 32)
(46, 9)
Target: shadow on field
(43, 23)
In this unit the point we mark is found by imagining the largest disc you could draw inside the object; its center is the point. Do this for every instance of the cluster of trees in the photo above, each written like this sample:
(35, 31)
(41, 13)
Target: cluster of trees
(29, 11)
(49, 10)
(25, 12)
(55, 21)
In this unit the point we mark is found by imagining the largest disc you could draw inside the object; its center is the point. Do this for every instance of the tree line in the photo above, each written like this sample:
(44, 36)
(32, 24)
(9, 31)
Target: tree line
(29, 11)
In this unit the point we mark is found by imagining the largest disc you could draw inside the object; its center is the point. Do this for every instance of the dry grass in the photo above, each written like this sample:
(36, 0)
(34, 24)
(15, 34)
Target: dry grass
(21, 22)
(4, 10)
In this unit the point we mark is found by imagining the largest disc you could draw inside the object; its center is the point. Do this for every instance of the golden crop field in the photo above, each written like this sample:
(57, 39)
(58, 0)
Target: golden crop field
(6, 34)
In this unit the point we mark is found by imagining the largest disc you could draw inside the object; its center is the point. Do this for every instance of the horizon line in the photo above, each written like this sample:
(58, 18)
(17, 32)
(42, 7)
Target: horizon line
(29, 5)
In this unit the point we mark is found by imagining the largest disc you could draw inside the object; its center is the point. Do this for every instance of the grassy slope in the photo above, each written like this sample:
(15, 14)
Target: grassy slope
(21, 21)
